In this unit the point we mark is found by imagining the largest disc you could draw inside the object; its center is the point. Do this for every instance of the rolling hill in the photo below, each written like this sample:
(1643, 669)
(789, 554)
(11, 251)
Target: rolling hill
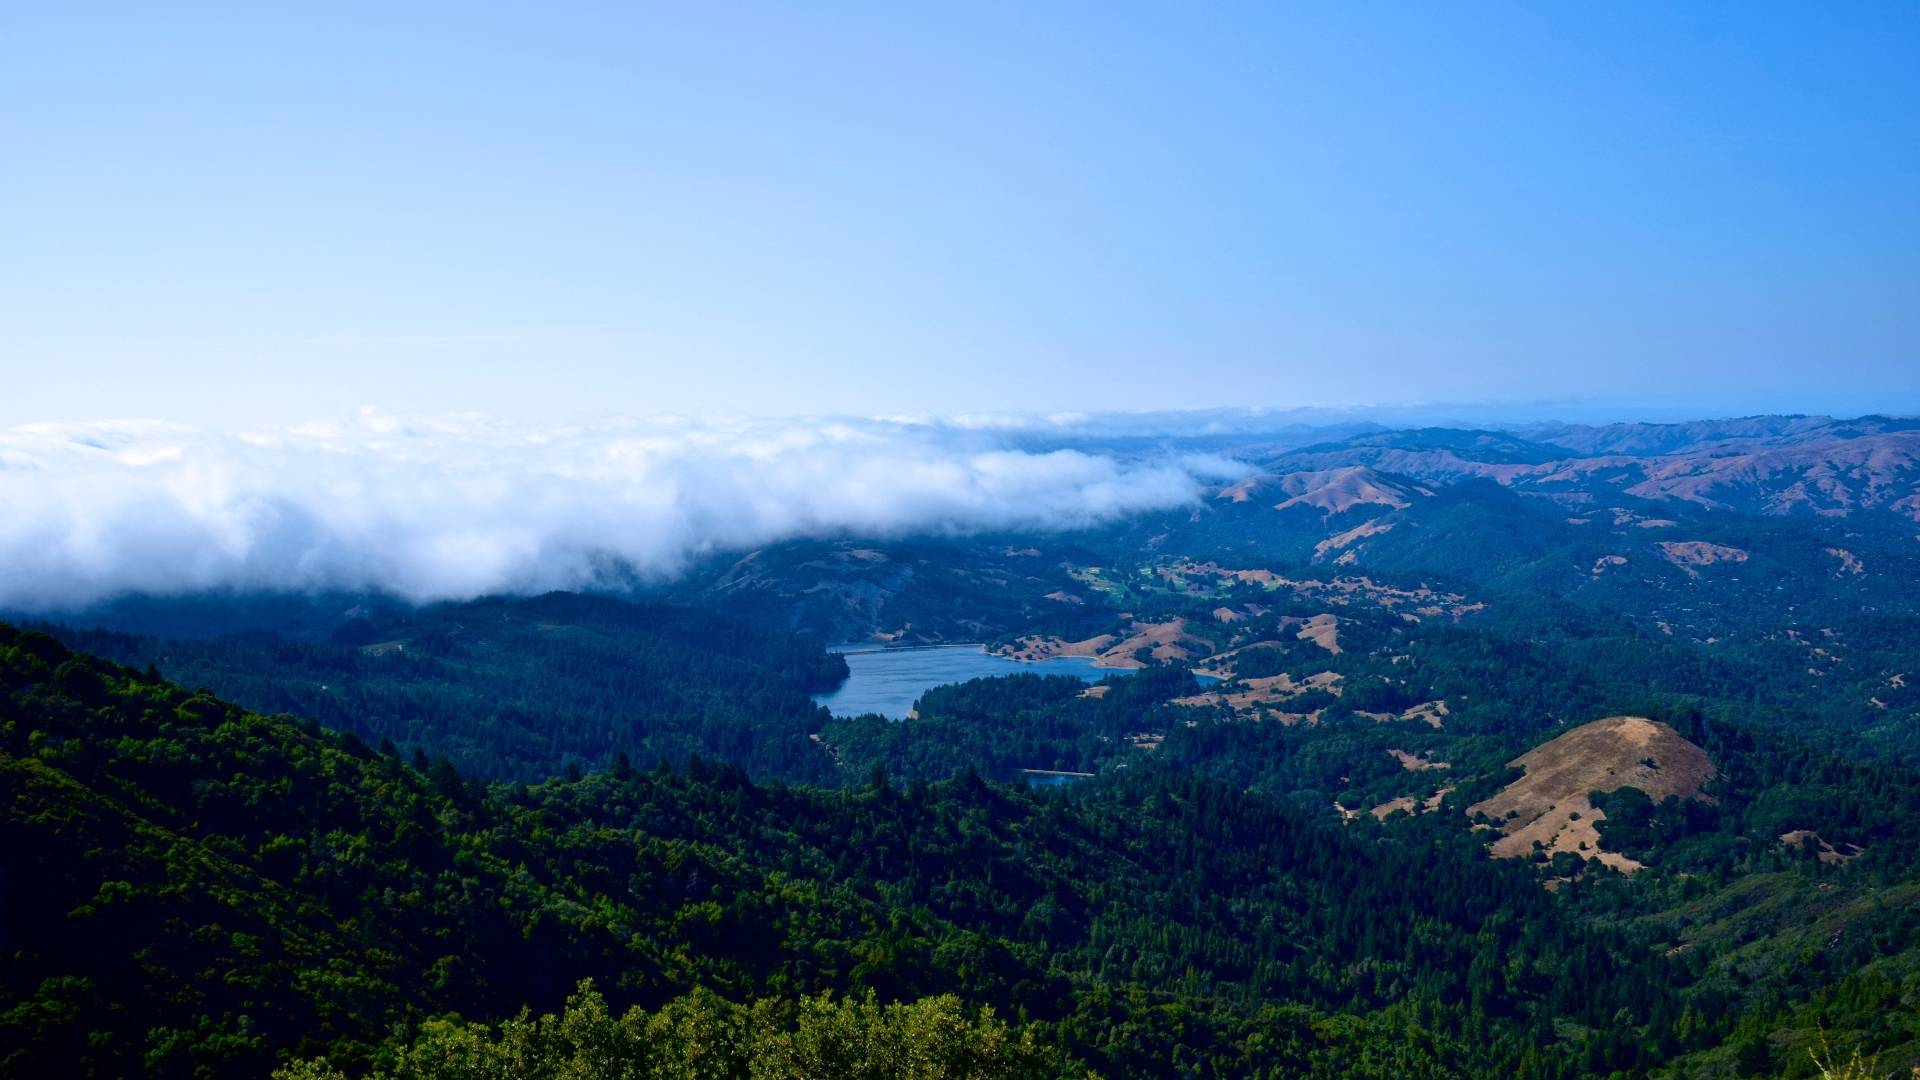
(1548, 809)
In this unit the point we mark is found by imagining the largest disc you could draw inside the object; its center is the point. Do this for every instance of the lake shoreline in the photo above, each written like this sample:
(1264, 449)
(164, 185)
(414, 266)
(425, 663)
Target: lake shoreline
(862, 648)
(889, 680)
(1101, 662)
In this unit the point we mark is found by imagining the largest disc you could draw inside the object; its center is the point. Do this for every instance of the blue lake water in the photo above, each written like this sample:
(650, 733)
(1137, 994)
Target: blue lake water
(889, 681)
(1047, 780)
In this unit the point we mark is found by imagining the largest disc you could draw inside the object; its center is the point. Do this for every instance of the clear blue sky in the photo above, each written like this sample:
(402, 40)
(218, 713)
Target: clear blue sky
(251, 214)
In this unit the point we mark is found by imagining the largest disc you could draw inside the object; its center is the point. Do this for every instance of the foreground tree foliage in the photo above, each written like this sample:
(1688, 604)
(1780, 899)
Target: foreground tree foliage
(703, 1035)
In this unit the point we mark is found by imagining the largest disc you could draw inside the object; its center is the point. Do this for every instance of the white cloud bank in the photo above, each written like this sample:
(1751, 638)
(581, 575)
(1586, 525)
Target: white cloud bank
(454, 508)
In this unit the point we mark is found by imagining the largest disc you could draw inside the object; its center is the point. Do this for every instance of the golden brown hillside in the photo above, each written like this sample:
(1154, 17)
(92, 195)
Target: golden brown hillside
(1164, 641)
(1550, 803)
(1333, 490)
(1688, 555)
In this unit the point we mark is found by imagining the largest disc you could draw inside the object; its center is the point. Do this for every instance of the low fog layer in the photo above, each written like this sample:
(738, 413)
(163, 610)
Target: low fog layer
(449, 509)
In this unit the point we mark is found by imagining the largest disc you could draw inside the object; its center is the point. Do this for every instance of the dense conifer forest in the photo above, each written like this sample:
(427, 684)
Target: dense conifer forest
(519, 689)
(192, 888)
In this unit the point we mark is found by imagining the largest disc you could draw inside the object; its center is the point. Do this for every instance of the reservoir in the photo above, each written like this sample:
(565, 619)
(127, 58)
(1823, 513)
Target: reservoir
(889, 681)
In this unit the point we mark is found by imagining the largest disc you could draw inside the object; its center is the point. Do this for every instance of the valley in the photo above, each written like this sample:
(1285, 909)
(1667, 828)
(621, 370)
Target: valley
(1632, 744)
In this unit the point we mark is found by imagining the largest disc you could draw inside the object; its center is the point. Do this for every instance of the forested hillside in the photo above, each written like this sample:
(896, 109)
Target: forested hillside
(193, 888)
(519, 688)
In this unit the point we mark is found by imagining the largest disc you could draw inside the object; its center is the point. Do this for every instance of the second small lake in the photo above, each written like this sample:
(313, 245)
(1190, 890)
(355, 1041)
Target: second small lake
(889, 681)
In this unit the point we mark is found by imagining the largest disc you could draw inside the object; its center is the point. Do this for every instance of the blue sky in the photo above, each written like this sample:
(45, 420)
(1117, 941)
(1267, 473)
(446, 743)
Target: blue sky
(239, 214)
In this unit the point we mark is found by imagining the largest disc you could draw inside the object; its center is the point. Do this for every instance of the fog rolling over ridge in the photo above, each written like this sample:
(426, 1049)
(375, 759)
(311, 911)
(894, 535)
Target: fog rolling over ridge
(453, 508)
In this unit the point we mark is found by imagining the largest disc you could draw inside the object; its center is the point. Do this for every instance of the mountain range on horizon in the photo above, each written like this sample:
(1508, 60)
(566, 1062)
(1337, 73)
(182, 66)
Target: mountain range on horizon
(1863, 469)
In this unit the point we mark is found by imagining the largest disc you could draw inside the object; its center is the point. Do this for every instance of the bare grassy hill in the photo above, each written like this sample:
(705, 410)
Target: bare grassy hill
(1550, 803)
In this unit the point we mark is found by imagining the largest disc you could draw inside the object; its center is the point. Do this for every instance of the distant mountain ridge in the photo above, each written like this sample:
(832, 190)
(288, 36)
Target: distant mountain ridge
(1557, 507)
(1674, 438)
(1760, 465)
(1612, 514)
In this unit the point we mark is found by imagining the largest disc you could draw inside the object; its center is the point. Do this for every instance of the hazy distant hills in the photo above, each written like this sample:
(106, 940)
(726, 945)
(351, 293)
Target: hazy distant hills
(1696, 527)
(1645, 439)
(1771, 465)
